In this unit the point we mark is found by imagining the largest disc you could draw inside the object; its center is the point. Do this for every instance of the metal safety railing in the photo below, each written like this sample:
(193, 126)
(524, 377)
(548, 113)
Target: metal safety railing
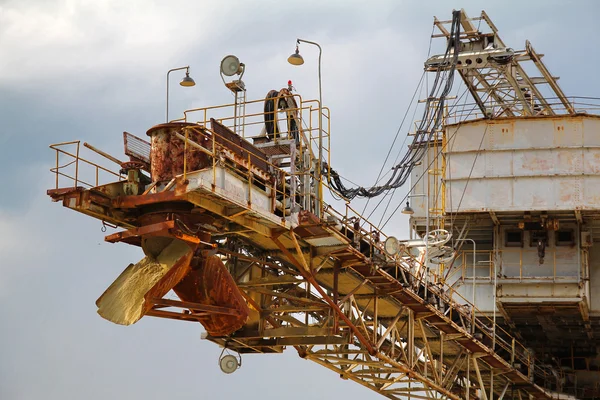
(460, 112)
(304, 113)
(281, 190)
(351, 224)
(457, 308)
(72, 168)
(414, 270)
(300, 124)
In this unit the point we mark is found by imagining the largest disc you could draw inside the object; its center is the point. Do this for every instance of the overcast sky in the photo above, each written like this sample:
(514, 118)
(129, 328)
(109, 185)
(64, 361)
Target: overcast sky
(89, 70)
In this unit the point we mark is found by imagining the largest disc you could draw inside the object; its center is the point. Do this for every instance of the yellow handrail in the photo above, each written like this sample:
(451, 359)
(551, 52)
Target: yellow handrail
(76, 159)
(256, 118)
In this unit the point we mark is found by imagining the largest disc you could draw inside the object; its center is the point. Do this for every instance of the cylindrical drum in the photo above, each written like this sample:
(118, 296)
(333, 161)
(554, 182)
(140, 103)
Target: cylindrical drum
(167, 150)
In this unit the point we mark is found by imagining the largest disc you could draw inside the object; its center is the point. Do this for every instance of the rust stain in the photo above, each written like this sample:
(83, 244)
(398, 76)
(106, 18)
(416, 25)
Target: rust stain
(568, 161)
(566, 192)
(240, 148)
(594, 165)
(167, 151)
(208, 282)
(166, 283)
(535, 163)
(538, 201)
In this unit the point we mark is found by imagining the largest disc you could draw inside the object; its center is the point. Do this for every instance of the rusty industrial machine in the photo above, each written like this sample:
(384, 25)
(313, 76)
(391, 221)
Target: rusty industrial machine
(491, 296)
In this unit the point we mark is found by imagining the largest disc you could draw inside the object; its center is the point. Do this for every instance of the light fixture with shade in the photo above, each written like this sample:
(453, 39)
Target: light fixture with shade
(407, 209)
(296, 58)
(187, 81)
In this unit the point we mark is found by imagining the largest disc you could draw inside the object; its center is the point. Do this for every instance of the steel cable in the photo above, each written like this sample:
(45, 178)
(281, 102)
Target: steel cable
(429, 124)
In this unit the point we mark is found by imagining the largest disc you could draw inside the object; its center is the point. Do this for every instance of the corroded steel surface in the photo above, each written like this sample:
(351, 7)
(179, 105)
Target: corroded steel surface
(136, 148)
(167, 152)
(209, 282)
(239, 146)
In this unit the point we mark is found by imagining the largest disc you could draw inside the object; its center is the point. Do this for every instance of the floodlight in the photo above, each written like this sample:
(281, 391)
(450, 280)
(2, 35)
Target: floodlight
(229, 364)
(391, 246)
(230, 65)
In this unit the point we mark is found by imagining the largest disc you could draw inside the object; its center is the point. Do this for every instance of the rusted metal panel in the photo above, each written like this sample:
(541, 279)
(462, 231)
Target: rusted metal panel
(591, 162)
(150, 198)
(166, 227)
(137, 149)
(591, 190)
(532, 133)
(173, 276)
(499, 135)
(167, 153)
(235, 143)
(209, 282)
(568, 134)
(62, 193)
(309, 225)
(144, 230)
(530, 195)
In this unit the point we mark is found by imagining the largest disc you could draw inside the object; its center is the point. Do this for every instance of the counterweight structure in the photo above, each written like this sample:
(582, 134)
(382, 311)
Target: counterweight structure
(237, 237)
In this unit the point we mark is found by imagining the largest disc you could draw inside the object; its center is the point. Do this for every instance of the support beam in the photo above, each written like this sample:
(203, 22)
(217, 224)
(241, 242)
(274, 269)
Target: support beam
(389, 328)
(336, 309)
(501, 397)
(481, 385)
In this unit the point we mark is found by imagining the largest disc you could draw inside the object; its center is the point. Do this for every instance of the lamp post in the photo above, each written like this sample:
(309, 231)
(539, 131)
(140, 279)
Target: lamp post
(187, 81)
(296, 59)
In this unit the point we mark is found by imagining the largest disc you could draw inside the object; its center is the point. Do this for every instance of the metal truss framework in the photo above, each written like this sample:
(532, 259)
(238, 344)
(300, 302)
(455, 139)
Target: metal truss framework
(328, 289)
(501, 86)
(374, 331)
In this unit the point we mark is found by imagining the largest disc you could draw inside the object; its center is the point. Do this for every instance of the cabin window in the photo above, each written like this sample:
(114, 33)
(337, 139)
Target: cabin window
(565, 237)
(513, 238)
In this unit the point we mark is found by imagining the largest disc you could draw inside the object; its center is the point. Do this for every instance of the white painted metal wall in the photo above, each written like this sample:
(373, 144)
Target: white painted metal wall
(419, 183)
(519, 165)
(561, 263)
(535, 164)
